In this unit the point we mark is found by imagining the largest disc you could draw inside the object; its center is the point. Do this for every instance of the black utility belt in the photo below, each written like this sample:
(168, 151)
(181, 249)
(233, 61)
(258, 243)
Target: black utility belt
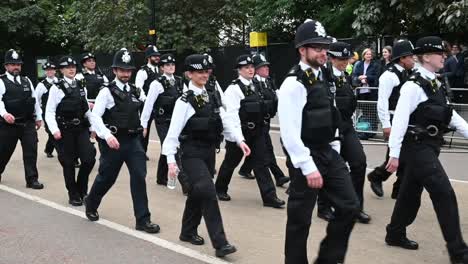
(430, 133)
(69, 122)
(124, 131)
(253, 125)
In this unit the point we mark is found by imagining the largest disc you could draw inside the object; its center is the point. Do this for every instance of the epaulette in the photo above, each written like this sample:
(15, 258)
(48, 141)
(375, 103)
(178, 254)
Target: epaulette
(186, 96)
(294, 71)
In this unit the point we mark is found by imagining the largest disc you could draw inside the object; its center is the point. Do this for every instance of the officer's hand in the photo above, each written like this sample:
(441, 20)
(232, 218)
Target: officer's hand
(173, 170)
(315, 180)
(9, 118)
(113, 143)
(386, 132)
(392, 164)
(361, 77)
(91, 106)
(245, 148)
(57, 135)
(93, 134)
(145, 132)
(38, 124)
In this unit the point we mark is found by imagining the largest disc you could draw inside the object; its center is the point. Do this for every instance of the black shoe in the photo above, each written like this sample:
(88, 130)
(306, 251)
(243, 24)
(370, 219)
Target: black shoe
(281, 181)
(363, 218)
(326, 214)
(35, 185)
(395, 191)
(49, 155)
(461, 259)
(77, 164)
(403, 242)
(225, 250)
(376, 187)
(192, 239)
(274, 202)
(224, 197)
(75, 201)
(92, 215)
(246, 175)
(148, 227)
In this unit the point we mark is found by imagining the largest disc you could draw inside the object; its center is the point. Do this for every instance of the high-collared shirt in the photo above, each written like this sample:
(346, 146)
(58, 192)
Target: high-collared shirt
(55, 97)
(387, 82)
(292, 97)
(411, 95)
(37, 106)
(142, 75)
(183, 111)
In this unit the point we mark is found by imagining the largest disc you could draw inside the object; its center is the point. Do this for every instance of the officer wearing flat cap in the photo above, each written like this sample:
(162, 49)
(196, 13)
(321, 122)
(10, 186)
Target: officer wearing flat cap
(92, 77)
(351, 148)
(196, 127)
(42, 91)
(245, 104)
(389, 91)
(421, 118)
(118, 127)
(262, 76)
(159, 104)
(145, 76)
(308, 126)
(20, 116)
(69, 120)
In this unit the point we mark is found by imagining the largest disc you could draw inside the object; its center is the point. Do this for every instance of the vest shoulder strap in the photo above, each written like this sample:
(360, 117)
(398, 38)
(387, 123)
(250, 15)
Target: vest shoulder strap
(187, 96)
(116, 92)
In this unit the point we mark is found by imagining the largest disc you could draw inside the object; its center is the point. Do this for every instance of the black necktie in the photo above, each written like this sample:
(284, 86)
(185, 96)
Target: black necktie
(16, 80)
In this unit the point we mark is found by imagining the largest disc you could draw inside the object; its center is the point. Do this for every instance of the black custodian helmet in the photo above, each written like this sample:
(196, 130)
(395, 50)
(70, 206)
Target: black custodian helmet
(151, 50)
(402, 48)
(311, 32)
(123, 59)
(12, 57)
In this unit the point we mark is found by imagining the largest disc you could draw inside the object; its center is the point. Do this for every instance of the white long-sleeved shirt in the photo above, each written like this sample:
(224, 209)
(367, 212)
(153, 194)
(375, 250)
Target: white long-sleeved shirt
(387, 81)
(55, 97)
(292, 97)
(142, 75)
(411, 95)
(154, 91)
(37, 106)
(104, 101)
(183, 111)
(41, 89)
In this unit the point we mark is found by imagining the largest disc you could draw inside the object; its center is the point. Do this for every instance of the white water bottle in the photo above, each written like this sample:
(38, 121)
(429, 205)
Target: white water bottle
(171, 181)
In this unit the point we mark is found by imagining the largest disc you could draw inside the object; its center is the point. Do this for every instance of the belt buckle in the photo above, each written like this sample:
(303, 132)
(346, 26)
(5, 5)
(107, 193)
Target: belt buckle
(250, 125)
(75, 121)
(113, 130)
(161, 111)
(432, 130)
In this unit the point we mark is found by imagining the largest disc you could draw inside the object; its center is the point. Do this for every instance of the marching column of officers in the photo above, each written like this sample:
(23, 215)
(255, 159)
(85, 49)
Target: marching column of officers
(315, 105)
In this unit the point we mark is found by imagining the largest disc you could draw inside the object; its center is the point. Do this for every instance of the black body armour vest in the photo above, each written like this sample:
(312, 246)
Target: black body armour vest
(205, 125)
(70, 112)
(403, 77)
(345, 98)
(45, 96)
(93, 83)
(270, 99)
(151, 76)
(320, 118)
(18, 99)
(123, 118)
(251, 112)
(164, 105)
(433, 116)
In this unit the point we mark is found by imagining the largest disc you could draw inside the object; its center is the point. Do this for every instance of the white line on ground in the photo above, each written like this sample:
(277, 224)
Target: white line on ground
(137, 234)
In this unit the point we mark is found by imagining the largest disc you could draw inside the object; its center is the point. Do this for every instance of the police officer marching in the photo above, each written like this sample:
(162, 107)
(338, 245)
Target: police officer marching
(145, 76)
(42, 91)
(159, 104)
(197, 126)
(69, 119)
(421, 118)
(308, 124)
(244, 101)
(92, 79)
(262, 77)
(389, 91)
(351, 148)
(20, 117)
(118, 127)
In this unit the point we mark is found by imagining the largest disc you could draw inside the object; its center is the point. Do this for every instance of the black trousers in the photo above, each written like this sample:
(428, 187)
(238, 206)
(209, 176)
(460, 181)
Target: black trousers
(248, 164)
(353, 153)
(233, 157)
(27, 134)
(73, 144)
(131, 152)
(423, 170)
(161, 174)
(198, 163)
(49, 147)
(338, 189)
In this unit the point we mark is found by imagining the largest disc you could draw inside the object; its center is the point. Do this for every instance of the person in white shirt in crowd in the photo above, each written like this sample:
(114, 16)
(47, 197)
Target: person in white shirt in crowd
(245, 104)
(69, 119)
(196, 127)
(308, 125)
(42, 91)
(20, 117)
(422, 117)
(390, 83)
(92, 77)
(118, 129)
